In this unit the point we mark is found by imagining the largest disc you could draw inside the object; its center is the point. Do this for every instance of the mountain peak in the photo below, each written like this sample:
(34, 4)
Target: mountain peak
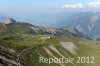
(7, 20)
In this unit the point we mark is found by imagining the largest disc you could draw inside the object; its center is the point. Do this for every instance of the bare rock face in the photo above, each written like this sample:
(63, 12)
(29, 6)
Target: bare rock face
(7, 20)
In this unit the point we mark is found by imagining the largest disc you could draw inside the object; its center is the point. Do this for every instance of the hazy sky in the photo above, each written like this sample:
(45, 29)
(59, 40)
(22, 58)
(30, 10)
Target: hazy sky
(28, 10)
(31, 5)
(22, 8)
(38, 3)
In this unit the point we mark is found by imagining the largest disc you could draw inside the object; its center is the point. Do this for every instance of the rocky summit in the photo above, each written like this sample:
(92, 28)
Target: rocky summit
(6, 20)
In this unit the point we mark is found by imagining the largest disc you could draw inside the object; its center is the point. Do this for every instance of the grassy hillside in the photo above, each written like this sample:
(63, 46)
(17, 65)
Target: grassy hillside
(22, 44)
(29, 48)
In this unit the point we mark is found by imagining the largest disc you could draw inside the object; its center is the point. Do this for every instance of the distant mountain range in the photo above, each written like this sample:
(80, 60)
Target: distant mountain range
(86, 22)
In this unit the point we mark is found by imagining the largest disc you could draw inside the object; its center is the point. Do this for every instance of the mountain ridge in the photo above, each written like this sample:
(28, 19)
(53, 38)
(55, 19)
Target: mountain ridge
(26, 28)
